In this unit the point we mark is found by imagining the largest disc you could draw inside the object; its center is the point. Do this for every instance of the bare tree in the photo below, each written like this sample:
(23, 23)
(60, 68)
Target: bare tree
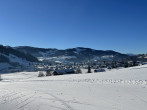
(78, 70)
(41, 74)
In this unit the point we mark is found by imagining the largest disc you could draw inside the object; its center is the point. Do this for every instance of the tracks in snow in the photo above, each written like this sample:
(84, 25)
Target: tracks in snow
(99, 81)
(15, 100)
(111, 81)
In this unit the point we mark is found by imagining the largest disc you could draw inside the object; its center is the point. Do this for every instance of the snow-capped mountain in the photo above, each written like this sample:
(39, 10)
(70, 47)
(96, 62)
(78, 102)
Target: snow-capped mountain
(79, 54)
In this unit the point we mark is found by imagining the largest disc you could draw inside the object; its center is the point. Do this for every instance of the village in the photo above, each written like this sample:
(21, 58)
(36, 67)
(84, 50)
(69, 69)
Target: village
(59, 68)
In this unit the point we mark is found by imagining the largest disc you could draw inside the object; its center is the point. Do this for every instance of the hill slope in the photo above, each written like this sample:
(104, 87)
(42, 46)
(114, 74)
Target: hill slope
(78, 54)
(11, 58)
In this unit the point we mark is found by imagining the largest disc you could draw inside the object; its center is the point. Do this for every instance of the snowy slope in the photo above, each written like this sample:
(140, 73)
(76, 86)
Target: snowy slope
(14, 62)
(123, 89)
(19, 60)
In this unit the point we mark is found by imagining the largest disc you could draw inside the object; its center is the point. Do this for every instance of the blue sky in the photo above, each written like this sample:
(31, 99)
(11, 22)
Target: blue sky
(119, 25)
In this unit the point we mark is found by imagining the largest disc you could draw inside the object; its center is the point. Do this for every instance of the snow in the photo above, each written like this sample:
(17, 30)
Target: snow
(120, 89)
(16, 59)
(107, 56)
(79, 49)
(21, 61)
(47, 53)
(43, 54)
(60, 58)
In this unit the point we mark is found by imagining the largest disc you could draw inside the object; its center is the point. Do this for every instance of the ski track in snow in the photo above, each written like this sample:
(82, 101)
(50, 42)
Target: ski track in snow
(22, 101)
(63, 102)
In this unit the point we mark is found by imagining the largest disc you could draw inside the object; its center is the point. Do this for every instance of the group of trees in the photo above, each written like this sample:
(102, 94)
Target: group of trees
(3, 58)
(9, 50)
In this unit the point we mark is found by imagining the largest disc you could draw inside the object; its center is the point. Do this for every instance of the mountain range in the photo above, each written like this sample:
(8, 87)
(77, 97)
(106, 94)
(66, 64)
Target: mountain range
(24, 57)
(79, 54)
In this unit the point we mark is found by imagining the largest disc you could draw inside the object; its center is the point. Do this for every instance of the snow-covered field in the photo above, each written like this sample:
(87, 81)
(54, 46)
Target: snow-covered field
(123, 89)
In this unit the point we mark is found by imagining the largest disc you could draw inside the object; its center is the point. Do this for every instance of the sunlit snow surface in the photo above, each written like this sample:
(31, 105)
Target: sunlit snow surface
(122, 89)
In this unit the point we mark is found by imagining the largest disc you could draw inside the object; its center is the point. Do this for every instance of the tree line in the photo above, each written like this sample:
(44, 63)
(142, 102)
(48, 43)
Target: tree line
(9, 50)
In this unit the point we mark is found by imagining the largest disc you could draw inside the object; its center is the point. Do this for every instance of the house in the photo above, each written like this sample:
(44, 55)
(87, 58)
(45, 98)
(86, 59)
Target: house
(63, 71)
(99, 70)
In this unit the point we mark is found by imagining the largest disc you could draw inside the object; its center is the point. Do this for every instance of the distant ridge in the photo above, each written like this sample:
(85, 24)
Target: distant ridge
(78, 54)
